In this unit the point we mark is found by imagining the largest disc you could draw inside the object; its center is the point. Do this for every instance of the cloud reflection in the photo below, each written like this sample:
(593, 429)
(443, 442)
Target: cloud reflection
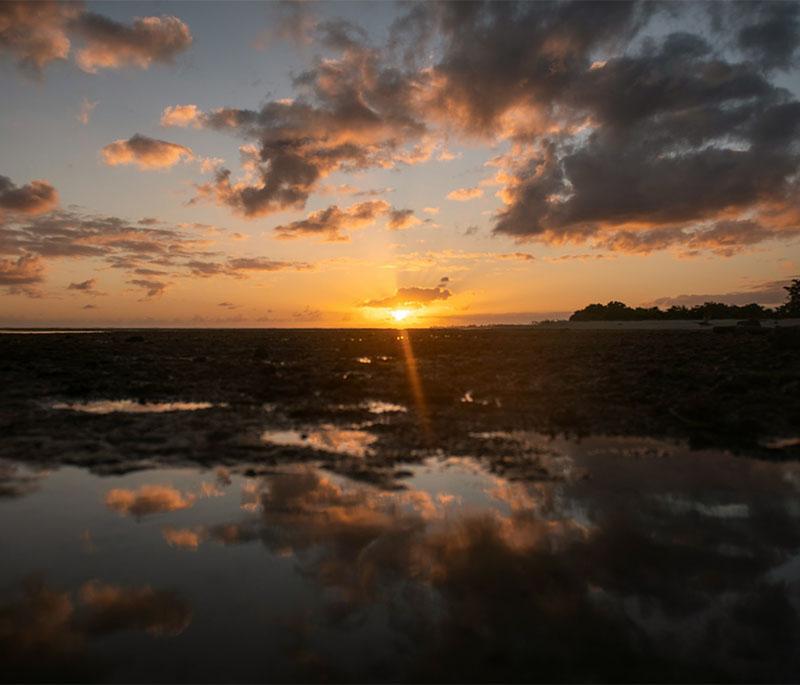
(554, 579)
(148, 499)
(325, 438)
(590, 569)
(45, 633)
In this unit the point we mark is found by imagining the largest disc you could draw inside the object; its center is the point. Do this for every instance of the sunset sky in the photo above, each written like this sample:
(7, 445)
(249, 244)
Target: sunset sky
(303, 164)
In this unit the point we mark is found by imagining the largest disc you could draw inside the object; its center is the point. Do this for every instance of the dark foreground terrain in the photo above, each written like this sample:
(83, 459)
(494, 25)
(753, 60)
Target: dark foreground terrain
(442, 505)
(739, 390)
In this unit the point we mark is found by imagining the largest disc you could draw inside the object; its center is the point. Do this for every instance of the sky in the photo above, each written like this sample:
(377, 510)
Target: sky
(375, 164)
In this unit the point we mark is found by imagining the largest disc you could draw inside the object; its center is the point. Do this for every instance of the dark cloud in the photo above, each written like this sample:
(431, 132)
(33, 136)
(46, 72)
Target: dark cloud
(352, 112)
(204, 269)
(332, 223)
(148, 251)
(622, 135)
(660, 133)
(347, 189)
(152, 287)
(411, 297)
(84, 286)
(140, 250)
(75, 234)
(497, 57)
(724, 238)
(678, 137)
(264, 264)
(146, 153)
(238, 266)
(400, 219)
(769, 32)
(32, 198)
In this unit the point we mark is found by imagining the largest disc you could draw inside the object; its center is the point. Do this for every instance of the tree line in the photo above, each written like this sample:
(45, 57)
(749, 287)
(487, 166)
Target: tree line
(618, 311)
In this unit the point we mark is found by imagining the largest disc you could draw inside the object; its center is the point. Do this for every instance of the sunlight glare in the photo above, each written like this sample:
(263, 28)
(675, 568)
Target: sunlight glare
(400, 314)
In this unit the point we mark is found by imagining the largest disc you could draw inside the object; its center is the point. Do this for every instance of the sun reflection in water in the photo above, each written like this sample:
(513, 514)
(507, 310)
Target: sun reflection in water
(415, 383)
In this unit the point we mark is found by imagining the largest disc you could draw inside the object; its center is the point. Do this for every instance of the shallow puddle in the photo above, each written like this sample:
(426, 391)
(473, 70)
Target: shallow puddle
(324, 438)
(131, 406)
(640, 559)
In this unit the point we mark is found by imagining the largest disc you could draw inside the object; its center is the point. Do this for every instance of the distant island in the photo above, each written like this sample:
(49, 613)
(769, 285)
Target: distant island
(619, 311)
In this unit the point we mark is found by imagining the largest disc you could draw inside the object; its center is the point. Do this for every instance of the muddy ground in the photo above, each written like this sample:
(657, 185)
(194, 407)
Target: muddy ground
(735, 389)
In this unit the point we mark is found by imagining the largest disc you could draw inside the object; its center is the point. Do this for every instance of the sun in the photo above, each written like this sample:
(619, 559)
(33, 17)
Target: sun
(400, 314)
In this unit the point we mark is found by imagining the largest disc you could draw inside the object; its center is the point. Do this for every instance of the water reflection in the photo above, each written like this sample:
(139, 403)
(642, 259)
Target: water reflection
(325, 438)
(17, 480)
(131, 406)
(148, 499)
(45, 632)
(632, 560)
(380, 407)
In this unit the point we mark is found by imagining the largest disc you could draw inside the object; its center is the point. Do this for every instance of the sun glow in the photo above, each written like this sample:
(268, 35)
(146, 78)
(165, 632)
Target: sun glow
(400, 314)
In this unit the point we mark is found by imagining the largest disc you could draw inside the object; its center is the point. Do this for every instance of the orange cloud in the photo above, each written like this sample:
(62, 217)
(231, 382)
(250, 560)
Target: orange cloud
(182, 116)
(465, 194)
(35, 33)
(20, 273)
(331, 222)
(146, 153)
(111, 45)
(38, 33)
(410, 297)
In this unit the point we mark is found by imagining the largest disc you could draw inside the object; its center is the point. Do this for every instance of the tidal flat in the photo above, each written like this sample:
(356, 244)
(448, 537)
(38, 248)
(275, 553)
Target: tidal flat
(488, 504)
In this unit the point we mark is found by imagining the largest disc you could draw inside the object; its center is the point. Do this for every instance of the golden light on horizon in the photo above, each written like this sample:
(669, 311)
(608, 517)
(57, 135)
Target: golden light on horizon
(400, 314)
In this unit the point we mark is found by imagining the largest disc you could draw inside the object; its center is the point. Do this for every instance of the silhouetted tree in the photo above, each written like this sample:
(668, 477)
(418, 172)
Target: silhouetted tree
(618, 311)
(792, 305)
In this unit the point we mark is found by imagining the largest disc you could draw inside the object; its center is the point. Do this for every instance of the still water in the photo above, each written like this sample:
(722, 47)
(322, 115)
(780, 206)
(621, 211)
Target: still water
(617, 559)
